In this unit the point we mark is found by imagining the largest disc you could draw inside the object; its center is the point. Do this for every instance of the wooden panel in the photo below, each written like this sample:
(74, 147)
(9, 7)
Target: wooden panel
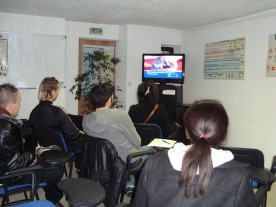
(86, 43)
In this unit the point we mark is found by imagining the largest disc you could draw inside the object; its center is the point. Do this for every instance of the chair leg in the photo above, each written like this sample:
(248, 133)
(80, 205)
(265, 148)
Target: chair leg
(65, 170)
(71, 163)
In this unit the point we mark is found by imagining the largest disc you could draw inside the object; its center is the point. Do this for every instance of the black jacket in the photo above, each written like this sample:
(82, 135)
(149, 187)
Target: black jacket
(100, 162)
(46, 115)
(12, 155)
(158, 186)
(139, 112)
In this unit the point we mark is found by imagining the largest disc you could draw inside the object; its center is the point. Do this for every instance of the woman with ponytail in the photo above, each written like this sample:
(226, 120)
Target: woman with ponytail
(148, 98)
(198, 174)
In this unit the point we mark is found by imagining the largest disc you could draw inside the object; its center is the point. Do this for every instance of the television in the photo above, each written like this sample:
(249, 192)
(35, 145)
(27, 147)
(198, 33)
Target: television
(163, 68)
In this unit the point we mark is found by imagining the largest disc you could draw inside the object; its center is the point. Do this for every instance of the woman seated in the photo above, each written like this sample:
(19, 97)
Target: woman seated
(148, 96)
(198, 174)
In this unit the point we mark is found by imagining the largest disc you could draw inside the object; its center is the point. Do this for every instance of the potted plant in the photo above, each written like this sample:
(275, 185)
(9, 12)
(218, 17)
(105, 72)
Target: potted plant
(101, 67)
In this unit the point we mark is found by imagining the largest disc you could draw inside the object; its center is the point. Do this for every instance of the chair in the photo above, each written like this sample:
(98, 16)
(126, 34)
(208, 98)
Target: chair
(40, 203)
(273, 166)
(101, 163)
(46, 138)
(148, 132)
(6, 190)
(82, 192)
(77, 120)
(261, 179)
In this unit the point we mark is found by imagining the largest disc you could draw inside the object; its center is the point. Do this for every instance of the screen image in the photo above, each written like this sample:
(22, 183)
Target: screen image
(163, 68)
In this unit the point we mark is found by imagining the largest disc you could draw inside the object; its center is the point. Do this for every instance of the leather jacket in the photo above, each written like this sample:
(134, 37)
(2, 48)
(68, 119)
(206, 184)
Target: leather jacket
(158, 186)
(12, 155)
(101, 163)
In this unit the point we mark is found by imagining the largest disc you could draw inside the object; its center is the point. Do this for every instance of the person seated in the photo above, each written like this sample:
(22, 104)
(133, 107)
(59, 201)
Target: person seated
(12, 154)
(109, 123)
(48, 116)
(197, 174)
(148, 96)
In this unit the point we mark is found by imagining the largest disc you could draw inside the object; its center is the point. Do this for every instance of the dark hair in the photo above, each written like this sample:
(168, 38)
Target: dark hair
(8, 92)
(148, 91)
(47, 85)
(100, 94)
(206, 123)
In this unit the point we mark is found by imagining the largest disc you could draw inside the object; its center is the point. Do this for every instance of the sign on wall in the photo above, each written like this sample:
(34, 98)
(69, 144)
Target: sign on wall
(271, 57)
(224, 59)
(3, 57)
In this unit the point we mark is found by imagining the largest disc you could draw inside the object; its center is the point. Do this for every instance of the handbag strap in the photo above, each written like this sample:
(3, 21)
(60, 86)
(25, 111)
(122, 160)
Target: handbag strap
(151, 113)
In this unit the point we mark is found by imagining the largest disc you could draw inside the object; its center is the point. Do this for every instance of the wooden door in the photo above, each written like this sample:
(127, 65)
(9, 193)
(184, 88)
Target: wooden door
(88, 46)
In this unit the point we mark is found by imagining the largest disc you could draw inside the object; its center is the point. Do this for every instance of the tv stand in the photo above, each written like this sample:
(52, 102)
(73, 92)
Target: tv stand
(170, 97)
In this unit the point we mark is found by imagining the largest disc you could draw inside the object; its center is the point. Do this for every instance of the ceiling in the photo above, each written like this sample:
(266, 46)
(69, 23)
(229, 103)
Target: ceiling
(175, 14)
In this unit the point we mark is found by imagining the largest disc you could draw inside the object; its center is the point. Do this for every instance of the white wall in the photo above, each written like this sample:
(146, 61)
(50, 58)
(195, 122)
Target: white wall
(33, 25)
(250, 103)
(137, 40)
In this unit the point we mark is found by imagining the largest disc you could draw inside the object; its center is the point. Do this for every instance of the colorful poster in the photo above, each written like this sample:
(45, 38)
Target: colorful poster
(3, 58)
(224, 59)
(271, 57)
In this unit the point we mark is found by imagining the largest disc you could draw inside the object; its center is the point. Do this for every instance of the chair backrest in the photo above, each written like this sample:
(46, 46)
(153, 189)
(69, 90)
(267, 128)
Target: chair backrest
(252, 156)
(46, 138)
(8, 188)
(148, 132)
(100, 162)
(77, 120)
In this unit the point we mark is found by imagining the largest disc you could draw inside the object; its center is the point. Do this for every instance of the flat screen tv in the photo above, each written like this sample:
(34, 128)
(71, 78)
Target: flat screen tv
(163, 68)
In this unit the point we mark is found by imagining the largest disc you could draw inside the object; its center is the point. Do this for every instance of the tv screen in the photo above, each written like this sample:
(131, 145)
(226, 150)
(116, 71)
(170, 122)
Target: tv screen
(164, 68)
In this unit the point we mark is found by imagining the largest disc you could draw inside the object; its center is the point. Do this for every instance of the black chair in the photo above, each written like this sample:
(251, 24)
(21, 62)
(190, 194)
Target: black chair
(273, 166)
(77, 120)
(46, 138)
(6, 190)
(261, 179)
(101, 163)
(148, 132)
(82, 192)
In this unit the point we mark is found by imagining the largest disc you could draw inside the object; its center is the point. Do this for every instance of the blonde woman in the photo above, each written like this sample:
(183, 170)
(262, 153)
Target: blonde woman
(48, 116)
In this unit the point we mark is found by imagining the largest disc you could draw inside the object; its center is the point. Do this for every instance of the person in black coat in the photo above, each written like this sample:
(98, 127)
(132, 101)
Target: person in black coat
(148, 97)
(48, 116)
(198, 174)
(12, 154)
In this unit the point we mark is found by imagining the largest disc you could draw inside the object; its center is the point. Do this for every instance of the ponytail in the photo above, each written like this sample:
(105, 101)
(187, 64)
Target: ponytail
(196, 161)
(206, 124)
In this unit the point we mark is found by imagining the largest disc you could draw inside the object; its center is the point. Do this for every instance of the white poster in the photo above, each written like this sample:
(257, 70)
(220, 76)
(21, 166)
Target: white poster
(224, 59)
(3, 58)
(90, 49)
(271, 57)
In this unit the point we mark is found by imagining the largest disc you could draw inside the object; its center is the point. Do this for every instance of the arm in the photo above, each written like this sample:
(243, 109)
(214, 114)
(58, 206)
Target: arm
(130, 130)
(245, 195)
(68, 128)
(11, 155)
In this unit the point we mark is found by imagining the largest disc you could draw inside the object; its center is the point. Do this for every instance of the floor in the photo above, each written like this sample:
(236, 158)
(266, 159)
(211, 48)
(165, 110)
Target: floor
(271, 197)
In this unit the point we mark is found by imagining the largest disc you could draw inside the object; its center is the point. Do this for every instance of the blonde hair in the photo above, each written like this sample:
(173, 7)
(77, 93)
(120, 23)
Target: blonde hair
(46, 87)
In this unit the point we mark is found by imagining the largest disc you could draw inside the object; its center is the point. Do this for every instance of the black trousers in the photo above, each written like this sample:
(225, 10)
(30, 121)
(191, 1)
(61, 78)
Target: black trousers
(52, 175)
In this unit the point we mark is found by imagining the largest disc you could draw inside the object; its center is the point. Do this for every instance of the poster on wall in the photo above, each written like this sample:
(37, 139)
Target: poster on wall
(3, 58)
(271, 57)
(224, 59)
(90, 49)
